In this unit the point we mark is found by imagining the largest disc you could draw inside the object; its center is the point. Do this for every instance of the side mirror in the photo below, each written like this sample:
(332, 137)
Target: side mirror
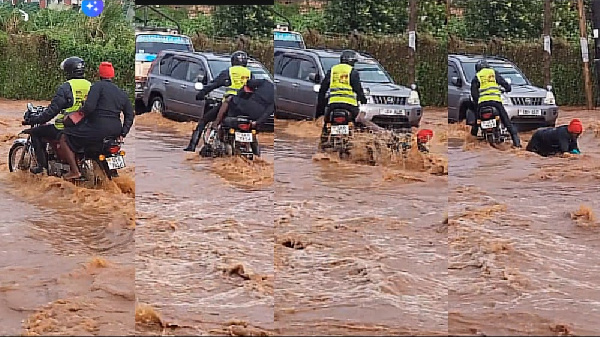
(29, 107)
(200, 78)
(456, 81)
(316, 87)
(508, 81)
(549, 88)
(199, 86)
(314, 77)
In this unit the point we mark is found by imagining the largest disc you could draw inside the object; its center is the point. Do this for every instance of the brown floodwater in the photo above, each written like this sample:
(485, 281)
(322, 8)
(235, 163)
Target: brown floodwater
(360, 250)
(66, 262)
(204, 236)
(523, 237)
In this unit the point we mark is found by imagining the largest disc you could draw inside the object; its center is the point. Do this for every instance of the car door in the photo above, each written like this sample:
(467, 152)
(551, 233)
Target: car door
(453, 93)
(305, 94)
(287, 75)
(193, 107)
(176, 85)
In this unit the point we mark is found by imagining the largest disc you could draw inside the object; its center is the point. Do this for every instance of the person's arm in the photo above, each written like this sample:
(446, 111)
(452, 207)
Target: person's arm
(502, 82)
(266, 114)
(357, 86)
(475, 90)
(221, 81)
(63, 99)
(322, 92)
(129, 115)
(93, 97)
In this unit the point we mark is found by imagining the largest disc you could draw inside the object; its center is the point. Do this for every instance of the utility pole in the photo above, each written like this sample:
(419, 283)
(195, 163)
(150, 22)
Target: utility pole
(585, 54)
(596, 26)
(547, 39)
(412, 41)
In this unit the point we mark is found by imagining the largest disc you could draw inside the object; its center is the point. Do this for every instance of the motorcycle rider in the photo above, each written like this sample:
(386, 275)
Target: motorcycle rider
(69, 98)
(558, 140)
(234, 78)
(343, 83)
(102, 118)
(485, 91)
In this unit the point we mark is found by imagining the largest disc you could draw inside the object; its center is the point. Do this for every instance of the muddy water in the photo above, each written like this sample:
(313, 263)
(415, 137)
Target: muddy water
(204, 237)
(523, 238)
(357, 246)
(66, 262)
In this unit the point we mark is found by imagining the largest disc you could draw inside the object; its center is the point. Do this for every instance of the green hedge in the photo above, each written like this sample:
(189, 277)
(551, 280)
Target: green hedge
(566, 70)
(30, 65)
(392, 52)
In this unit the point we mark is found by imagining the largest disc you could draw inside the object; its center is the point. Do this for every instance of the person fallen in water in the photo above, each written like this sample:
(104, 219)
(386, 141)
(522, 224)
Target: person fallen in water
(559, 140)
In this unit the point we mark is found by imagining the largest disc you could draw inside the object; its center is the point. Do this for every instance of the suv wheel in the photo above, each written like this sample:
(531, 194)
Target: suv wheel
(157, 105)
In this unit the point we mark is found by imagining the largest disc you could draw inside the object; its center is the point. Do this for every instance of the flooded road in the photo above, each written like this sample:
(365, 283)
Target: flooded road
(204, 236)
(358, 246)
(66, 262)
(523, 239)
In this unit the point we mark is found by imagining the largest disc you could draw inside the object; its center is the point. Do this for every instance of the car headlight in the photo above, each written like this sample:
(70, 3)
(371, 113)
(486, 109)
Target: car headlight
(506, 100)
(413, 98)
(138, 85)
(549, 100)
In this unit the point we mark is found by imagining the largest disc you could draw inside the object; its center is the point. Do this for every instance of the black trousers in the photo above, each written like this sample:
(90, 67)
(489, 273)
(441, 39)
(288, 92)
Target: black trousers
(209, 116)
(503, 117)
(38, 134)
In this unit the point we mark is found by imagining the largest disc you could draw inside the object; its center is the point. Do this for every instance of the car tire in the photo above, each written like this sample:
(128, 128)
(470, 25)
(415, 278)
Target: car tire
(157, 105)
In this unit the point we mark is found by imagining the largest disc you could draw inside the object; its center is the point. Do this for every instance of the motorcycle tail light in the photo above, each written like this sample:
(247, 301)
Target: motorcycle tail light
(114, 149)
(122, 153)
(244, 127)
(101, 157)
(486, 115)
(232, 131)
(339, 119)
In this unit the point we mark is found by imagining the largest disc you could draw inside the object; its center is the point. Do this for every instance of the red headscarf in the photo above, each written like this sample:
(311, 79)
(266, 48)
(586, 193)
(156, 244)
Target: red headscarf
(575, 126)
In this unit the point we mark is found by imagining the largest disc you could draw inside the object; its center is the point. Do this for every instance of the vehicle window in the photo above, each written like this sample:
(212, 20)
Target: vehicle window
(452, 72)
(290, 67)
(372, 72)
(277, 63)
(165, 65)
(194, 70)
(180, 69)
(505, 70)
(329, 62)
(306, 67)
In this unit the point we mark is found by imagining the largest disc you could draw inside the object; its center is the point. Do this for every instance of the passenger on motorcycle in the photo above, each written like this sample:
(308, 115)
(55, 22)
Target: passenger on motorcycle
(68, 98)
(485, 91)
(234, 78)
(559, 140)
(102, 118)
(256, 100)
(345, 91)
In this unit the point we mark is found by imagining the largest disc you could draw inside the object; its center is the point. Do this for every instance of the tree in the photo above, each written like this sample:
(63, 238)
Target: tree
(255, 21)
(368, 16)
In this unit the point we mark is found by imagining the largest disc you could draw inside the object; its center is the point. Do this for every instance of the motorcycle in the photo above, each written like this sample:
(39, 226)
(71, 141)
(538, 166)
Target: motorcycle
(235, 136)
(491, 128)
(339, 129)
(95, 162)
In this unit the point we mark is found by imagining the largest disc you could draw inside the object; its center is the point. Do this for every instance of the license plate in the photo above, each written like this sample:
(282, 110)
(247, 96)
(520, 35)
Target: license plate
(488, 124)
(340, 130)
(400, 112)
(116, 162)
(243, 137)
(530, 112)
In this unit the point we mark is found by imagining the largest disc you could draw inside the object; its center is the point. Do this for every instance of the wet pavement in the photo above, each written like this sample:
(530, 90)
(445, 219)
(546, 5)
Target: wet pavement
(358, 246)
(66, 262)
(523, 238)
(204, 236)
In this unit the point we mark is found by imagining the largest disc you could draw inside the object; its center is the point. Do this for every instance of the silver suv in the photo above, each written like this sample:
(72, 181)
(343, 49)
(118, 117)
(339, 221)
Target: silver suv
(170, 88)
(298, 74)
(525, 104)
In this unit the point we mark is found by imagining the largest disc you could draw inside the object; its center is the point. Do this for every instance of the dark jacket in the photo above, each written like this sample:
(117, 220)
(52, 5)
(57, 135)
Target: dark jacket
(475, 87)
(258, 105)
(102, 110)
(549, 141)
(63, 99)
(354, 83)
(222, 80)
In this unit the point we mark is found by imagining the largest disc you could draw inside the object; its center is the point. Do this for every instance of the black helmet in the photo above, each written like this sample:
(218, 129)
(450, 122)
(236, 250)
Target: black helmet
(73, 66)
(481, 64)
(239, 58)
(348, 57)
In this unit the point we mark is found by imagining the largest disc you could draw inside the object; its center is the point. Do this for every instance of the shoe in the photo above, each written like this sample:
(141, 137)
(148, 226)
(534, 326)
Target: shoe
(36, 170)
(194, 141)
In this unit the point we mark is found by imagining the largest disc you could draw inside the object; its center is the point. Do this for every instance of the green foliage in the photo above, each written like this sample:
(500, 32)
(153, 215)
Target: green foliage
(33, 50)
(373, 16)
(255, 21)
(260, 49)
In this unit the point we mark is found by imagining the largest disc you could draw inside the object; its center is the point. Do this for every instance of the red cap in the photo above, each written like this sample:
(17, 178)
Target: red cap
(423, 136)
(575, 126)
(106, 70)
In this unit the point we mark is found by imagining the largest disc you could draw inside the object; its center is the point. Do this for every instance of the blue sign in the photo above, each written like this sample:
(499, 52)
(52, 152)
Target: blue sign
(92, 8)
(162, 39)
(145, 57)
(288, 36)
